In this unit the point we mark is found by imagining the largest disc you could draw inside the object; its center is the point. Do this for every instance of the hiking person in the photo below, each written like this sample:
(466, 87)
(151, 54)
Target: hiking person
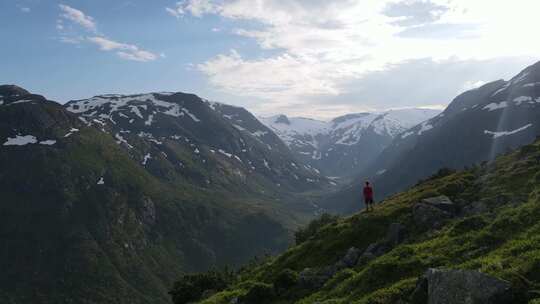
(368, 196)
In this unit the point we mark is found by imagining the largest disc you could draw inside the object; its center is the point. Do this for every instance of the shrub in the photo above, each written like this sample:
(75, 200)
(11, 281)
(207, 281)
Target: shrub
(258, 293)
(285, 280)
(303, 234)
(192, 286)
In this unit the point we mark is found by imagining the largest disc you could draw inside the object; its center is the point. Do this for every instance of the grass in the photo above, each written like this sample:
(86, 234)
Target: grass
(503, 242)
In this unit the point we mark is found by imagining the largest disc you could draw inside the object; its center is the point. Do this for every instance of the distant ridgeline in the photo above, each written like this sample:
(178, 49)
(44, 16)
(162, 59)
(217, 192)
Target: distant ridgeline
(463, 237)
(477, 126)
(111, 199)
(347, 144)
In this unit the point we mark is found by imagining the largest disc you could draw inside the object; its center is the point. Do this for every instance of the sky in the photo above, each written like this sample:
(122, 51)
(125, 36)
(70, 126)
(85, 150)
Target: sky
(311, 58)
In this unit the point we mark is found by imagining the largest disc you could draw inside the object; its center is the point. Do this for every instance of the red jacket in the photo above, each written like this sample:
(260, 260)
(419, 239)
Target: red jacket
(368, 192)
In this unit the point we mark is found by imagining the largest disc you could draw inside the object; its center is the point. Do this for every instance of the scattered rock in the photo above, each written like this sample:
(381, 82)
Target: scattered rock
(441, 202)
(420, 293)
(375, 250)
(350, 259)
(396, 234)
(208, 293)
(475, 208)
(432, 212)
(439, 286)
(312, 279)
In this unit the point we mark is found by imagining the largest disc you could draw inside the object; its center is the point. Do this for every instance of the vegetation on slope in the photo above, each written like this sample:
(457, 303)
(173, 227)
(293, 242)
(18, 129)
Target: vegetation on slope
(502, 241)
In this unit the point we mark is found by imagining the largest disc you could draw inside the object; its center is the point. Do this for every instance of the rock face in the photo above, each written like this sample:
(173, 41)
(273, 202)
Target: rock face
(181, 137)
(311, 278)
(432, 212)
(394, 236)
(460, 286)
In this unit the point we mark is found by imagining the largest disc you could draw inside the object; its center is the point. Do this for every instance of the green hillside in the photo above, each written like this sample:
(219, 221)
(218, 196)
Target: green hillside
(82, 222)
(495, 229)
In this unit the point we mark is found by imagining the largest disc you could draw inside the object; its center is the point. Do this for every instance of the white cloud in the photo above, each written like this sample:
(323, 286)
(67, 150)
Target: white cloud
(123, 50)
(194, 7)
(24, 9)
(176, 12)
(471, 84)
(78, 17)
(320, 45)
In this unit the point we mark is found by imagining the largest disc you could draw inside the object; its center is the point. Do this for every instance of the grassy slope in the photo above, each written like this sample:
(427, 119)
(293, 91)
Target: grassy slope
(69, 239)
(504, 242)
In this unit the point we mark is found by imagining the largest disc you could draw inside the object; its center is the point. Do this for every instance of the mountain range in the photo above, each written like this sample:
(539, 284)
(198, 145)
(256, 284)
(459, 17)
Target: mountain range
(113, 198)
(477, 126)
(344, 146)
(110, 199)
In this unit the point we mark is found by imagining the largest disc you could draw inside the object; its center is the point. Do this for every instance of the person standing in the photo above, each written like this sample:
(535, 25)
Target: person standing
(368, 196)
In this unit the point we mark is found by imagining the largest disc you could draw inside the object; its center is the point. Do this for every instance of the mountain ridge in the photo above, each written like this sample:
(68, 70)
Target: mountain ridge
(477, 126)
(346, 144)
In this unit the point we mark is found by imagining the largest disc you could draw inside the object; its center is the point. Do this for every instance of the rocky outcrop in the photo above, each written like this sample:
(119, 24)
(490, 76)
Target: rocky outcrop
(395, 235)
(433, 212)
(311, 278)
(474, 208)
(438, 286)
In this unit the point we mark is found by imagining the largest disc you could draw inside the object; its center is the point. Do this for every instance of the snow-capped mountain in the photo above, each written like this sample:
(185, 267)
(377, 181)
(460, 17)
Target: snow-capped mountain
(346, 144)
(120, 194)
(477, 126)
(181, 136)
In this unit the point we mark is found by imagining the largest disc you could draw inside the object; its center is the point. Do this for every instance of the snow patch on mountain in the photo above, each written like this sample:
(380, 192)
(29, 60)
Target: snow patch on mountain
(48, 142)
(506, 133)
(20, 140)
(495, 106)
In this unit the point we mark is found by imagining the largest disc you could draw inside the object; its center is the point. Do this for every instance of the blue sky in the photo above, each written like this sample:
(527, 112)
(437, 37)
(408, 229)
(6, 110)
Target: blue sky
(312, 58)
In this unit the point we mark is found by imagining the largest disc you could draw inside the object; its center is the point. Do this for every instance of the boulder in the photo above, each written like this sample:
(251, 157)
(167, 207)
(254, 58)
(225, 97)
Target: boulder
(373, 251)
(475, 208)
(439, 286)
(313, 279)
(441, 202)
(396, 234)
(350, 258)
(432, 212)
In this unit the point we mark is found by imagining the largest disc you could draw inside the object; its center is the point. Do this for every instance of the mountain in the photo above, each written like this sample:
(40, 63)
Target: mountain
(477, 126)
(181, 137)
(101, 208)
(347, 144)
(465, 237)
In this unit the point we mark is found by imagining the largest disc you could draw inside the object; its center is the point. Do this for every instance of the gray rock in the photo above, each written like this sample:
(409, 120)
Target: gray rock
(313, 279)
(373, 251)
(441, 202)
(350, 259)
(148, 212)
(396, 234)
(475, 208)
(208, 293)
(461, 286)
(420, 293)
(432, 212)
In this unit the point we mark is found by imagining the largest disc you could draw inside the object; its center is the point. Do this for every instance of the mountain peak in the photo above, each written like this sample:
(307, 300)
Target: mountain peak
(10, 90)
(283, 119)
